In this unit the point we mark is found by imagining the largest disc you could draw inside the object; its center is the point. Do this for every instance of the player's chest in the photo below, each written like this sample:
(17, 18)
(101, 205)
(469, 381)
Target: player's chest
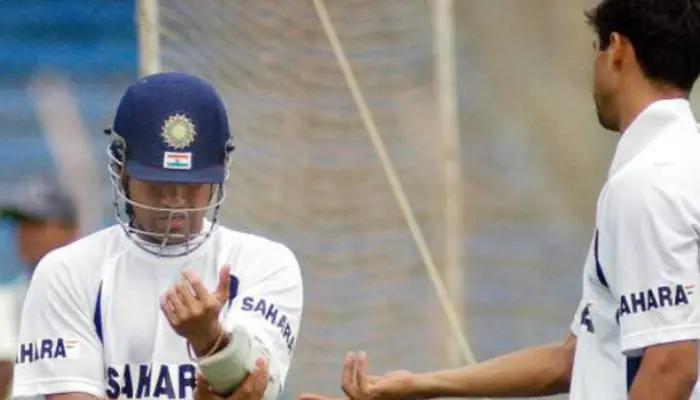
(143, 357)
(610, 234)
(135, 329)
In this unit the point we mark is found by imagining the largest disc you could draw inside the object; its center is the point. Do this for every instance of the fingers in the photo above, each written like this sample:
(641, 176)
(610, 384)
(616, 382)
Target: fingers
(202, 297)
(192, 310)
(184, 293)
(202, 390)
(349, 387)
(167, 309)
(356, 383)
(200, 291)
(179, 302)
(222, 289)
(181, 296)
(176, 303)
(261, 375)
(225, 271)
(201, 382)
(361, 373)
(254, 385)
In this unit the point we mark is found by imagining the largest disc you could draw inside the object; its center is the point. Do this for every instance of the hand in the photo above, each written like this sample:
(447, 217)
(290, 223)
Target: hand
(357, 385)
(252, 388)
(193, 311)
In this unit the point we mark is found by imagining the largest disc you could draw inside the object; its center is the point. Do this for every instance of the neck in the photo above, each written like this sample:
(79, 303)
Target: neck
(170, 249)
(636, 101)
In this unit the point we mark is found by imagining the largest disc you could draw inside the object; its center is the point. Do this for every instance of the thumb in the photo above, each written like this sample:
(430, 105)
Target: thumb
(222, 289)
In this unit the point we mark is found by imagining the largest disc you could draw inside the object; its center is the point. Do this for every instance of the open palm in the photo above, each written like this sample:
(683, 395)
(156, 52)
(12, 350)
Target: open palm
(358, 385)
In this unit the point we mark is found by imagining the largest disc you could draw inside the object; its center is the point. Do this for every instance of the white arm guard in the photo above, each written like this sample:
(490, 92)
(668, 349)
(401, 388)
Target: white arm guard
(226, 369)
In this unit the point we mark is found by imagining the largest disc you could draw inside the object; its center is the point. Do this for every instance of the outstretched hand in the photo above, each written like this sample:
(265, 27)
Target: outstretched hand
(358, 385)
(193, 311)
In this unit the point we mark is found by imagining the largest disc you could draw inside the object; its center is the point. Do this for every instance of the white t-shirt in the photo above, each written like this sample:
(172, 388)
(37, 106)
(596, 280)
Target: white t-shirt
(92, 322)
(642, 269)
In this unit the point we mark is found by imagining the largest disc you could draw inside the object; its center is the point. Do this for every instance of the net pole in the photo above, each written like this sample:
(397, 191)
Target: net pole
(444, 48)
(448, 307)
(149, 36)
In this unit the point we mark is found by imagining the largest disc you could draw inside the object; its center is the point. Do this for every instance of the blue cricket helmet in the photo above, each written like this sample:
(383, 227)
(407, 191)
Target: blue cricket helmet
(174, 129)
(169, 127)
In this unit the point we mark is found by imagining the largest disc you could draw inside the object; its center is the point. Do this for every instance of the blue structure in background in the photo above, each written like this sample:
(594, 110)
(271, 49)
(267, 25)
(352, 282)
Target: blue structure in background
(91, 44)
(82, 39)
(13, 269)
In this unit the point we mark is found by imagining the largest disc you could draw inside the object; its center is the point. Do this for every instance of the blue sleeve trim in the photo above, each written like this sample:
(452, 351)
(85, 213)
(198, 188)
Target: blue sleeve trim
(97, 316)
(598, 267)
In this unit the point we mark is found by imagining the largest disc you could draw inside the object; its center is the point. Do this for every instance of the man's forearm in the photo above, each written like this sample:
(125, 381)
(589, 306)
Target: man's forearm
(537, 371)
(5, 378)
(665, 386)
(658, 389)
(656, 381)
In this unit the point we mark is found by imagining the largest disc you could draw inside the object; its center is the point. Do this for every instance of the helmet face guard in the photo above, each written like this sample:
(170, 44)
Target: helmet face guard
(169, 127)
(158, 243)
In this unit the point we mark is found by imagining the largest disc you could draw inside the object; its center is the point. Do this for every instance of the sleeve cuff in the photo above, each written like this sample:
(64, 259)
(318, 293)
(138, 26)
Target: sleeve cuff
(574, 328)
(639, 340)
(61, 385)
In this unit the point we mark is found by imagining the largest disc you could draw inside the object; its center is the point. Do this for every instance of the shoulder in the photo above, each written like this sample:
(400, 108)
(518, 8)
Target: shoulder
(670, 166)
(77, 266)
(252, 244)
(88, 252)
(254, 252)
(673, 156)
(655, 195)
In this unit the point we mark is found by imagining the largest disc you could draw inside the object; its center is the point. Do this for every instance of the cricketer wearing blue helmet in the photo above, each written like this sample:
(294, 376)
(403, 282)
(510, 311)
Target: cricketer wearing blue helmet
(167, 303)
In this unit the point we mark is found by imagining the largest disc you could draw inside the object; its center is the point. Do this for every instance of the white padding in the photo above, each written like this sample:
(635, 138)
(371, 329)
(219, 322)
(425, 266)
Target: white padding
(226, 369)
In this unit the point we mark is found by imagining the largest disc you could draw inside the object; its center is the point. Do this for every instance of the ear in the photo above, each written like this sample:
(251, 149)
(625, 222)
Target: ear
(619, 50)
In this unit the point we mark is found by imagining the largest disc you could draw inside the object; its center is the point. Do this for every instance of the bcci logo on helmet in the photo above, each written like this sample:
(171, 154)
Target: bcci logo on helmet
(178, 131)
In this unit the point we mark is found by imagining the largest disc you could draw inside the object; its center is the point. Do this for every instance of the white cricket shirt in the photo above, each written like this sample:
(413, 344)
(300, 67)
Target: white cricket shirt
(642, 270)
(92, 322)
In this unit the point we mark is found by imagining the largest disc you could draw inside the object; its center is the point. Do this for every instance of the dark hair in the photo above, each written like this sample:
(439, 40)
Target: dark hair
(665, 35)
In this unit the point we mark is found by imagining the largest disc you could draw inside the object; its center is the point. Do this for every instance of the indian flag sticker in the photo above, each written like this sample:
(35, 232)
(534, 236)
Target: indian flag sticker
(176, 160)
